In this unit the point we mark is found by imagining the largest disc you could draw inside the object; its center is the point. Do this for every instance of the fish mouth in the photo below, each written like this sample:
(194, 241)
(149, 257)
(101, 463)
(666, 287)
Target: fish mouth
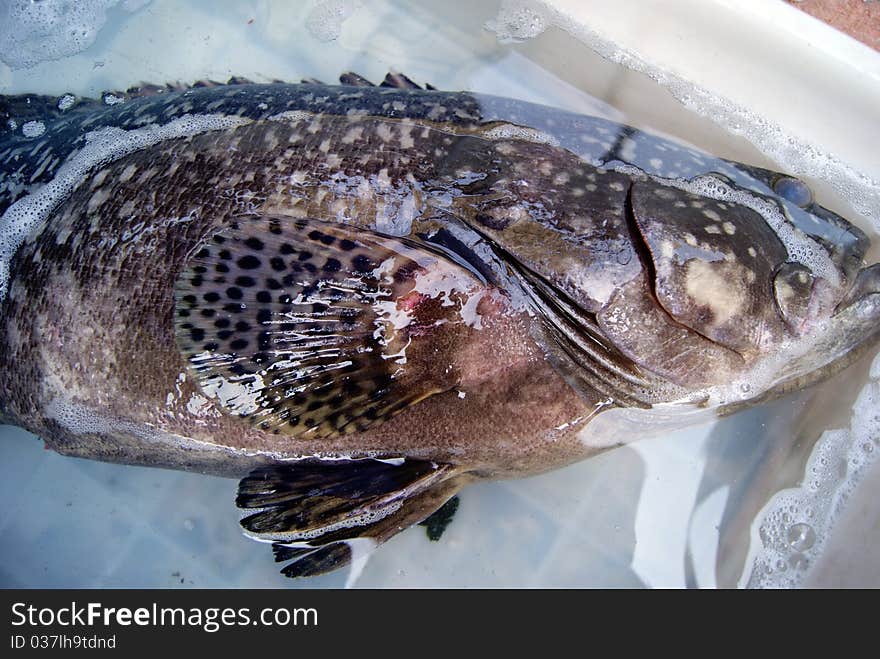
(865, 284)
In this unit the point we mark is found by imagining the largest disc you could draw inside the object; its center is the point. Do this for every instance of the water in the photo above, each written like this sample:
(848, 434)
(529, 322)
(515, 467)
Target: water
(671, 511)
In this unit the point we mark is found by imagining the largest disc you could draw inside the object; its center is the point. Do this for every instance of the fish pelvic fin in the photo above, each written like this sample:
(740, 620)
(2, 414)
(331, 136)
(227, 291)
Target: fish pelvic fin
(323, 515)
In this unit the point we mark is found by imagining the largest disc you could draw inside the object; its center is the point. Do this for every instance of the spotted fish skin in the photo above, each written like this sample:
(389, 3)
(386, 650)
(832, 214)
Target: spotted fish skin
(529, 272)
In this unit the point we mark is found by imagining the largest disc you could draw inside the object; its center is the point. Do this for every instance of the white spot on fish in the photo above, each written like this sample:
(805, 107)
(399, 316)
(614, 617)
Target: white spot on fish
(383, 181)
(383, 132)
(708, 286)
(406, 140)
(353, 135)
(127, 173)
(97, 200)
(561, 178)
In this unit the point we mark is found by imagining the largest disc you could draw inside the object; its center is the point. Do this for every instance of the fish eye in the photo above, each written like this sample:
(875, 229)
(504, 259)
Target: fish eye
(794, 190)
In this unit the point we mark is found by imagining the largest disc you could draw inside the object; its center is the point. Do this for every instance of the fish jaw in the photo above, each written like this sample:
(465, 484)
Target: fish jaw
(831, 343)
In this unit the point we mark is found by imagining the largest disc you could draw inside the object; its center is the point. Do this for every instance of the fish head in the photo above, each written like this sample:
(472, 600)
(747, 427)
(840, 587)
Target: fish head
(752, 292)
(656, 289)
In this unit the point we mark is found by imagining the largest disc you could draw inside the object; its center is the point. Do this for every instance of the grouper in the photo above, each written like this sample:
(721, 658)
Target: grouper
(359, 298)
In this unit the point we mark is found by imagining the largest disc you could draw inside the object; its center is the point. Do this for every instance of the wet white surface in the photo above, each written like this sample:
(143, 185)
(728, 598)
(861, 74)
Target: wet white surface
(669, 512)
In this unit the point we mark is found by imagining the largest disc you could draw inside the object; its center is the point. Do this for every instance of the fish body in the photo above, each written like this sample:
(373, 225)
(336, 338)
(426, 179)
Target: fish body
(359, 299)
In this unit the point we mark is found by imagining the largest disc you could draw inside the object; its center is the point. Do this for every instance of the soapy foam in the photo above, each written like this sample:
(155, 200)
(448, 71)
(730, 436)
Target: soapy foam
(292, 116)
(102, 147)
(514, 132)
(790, 532)
(796, 156)
(364, 518)
(518, 20)
(33, 129)
(325, 20)
(34, 32)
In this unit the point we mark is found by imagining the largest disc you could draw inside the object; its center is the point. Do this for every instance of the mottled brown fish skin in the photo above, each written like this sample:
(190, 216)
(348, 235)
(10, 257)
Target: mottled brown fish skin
(90, 310)
(89, 317)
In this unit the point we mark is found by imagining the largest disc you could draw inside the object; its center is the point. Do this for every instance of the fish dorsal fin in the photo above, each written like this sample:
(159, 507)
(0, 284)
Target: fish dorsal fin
(399, 81)
(355, 80)
(314, 329)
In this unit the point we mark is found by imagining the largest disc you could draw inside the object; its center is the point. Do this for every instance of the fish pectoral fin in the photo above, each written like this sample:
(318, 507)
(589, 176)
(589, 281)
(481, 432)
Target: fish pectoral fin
(321, 515)
(315, 330)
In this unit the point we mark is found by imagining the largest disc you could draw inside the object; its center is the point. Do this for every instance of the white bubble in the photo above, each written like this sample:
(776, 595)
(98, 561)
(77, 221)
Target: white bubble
(66, 102)
(325, 20)
(798, 562)
(801, 536)
(518, 20)
(33, 129)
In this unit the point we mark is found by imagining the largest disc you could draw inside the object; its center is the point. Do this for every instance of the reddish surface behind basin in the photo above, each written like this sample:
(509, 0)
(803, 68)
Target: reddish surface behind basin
(858, 18)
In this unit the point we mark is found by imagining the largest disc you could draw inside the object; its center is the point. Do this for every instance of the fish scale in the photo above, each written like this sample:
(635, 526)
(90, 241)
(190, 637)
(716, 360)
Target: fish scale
(359, 299)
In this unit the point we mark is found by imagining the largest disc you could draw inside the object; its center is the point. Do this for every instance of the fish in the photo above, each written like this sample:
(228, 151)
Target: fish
(357, 299)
